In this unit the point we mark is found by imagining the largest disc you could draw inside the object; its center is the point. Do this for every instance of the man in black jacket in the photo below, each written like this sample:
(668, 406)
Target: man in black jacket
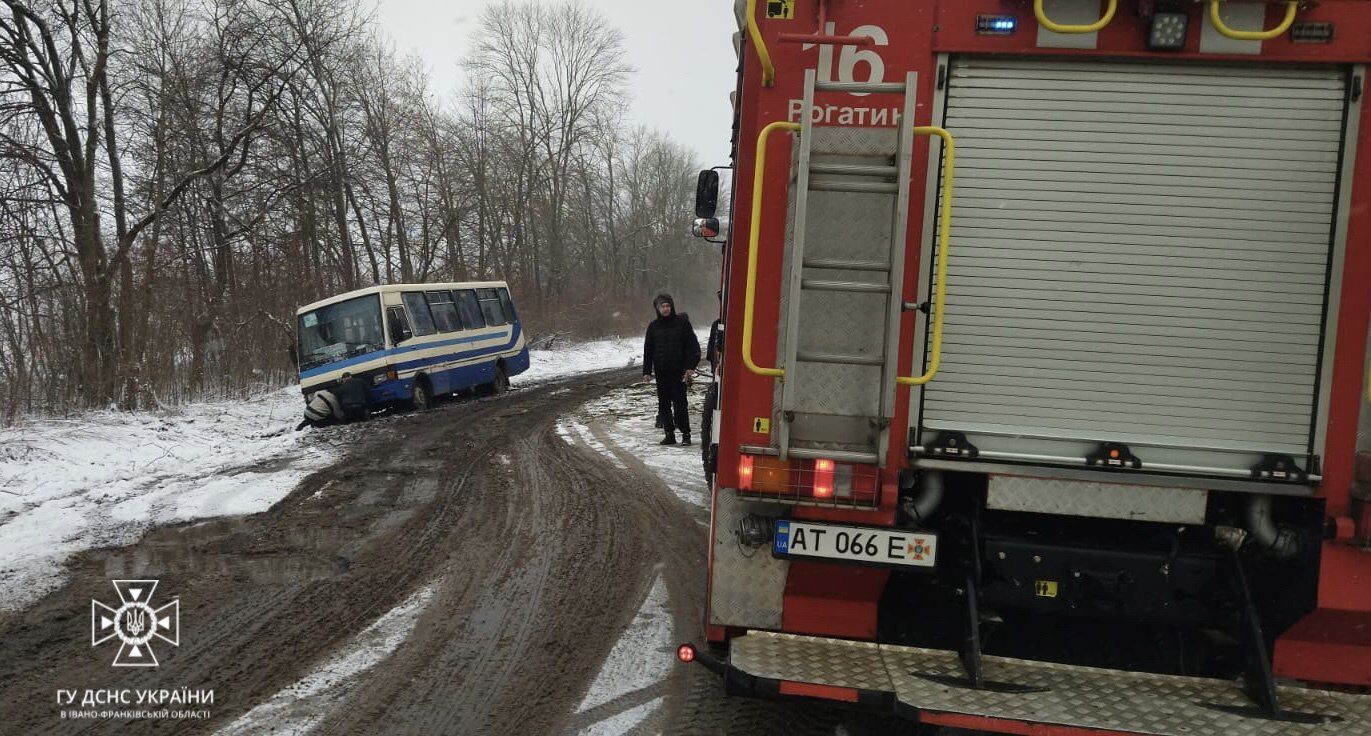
(670, 353)
(352, 394)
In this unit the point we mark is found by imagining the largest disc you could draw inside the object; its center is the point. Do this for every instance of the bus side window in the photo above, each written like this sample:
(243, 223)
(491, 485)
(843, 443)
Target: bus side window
(418, 311)
(470, 309)
(508, 305)
(490, 307)
(399, 326)
(444, 311)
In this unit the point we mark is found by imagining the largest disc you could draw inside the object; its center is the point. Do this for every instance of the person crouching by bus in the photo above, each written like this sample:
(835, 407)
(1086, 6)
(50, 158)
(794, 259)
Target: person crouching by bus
(352, 394)
(322, 410)
(670, 353)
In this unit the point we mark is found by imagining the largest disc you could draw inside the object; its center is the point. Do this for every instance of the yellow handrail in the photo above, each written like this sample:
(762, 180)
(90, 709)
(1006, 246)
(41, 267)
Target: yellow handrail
(1291, 8)
(755, 33)
(754, 237)
(944, 235)
(1050, 25)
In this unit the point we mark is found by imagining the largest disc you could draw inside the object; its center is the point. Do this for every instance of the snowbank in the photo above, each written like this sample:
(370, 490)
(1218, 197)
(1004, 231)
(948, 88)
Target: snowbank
(596, 355)
(104, 479)
(585, 357)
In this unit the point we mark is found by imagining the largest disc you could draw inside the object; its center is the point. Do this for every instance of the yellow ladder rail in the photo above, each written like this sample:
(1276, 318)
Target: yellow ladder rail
(944, 236)
(1055, 27)
(1291, 8)
(755, 34)
(753, 238)
(940, 278)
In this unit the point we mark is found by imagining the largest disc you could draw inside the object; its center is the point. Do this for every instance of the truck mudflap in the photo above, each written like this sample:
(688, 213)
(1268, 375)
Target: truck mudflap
(1025, 697)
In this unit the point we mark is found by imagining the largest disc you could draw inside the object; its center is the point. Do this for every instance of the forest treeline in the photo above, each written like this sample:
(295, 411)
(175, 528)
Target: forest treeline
(177, 176)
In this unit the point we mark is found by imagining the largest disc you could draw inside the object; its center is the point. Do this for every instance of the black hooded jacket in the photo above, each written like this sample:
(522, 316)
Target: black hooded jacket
(670, 344)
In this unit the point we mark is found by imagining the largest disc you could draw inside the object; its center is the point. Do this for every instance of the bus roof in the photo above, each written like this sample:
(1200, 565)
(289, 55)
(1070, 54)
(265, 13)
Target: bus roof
(385, 288)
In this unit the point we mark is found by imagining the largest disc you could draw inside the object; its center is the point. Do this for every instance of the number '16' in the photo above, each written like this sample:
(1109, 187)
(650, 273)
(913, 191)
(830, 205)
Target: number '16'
(851, 56)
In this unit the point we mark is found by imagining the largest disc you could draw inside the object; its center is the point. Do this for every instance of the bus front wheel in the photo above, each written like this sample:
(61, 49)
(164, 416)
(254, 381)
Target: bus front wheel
(422, 397)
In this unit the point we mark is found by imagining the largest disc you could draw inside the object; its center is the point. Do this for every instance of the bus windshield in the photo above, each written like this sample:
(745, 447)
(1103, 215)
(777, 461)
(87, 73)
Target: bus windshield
(340, 331)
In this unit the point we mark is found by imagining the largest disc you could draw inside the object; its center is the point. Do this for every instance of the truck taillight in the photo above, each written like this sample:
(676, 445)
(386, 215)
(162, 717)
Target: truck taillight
(817, 480)
(744, 472)
(763, 474)
(823, 478)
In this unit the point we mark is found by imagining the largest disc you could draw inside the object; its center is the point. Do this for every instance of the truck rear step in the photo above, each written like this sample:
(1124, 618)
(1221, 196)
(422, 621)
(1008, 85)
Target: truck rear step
(927, 685)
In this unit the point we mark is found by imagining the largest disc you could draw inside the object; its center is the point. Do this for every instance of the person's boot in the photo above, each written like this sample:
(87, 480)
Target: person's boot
(685, 438)
(670, 438)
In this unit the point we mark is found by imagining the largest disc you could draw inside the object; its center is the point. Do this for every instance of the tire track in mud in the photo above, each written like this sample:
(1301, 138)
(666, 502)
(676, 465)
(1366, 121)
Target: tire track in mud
(266, 596)
(538, 554)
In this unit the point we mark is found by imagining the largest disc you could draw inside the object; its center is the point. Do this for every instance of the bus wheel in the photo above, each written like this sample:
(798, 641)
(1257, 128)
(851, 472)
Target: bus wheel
(422, 398)
(500, 383)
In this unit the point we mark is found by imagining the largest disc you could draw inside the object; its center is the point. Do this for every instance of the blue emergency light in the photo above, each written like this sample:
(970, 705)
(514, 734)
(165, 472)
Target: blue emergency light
(996, 25)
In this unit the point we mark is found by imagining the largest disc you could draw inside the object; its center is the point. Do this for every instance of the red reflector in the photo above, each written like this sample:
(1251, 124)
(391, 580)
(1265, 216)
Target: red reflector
(745, 472)
(685, 653)
(827, 692)
(823, 478)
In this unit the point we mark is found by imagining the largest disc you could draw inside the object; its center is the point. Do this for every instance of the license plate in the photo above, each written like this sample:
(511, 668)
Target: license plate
(899, 547)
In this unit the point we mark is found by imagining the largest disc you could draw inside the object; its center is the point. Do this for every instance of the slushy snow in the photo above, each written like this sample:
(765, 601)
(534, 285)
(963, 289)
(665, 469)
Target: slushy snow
(102, 480)
(106, 478)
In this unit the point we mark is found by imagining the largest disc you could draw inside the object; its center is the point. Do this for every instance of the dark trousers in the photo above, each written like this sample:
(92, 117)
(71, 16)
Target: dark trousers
(671, 397)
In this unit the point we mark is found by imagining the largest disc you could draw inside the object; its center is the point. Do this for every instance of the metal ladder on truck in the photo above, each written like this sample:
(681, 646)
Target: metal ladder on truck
(844, 277)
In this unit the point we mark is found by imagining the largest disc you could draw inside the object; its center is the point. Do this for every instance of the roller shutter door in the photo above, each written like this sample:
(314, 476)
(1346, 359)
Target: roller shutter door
(1140, 255)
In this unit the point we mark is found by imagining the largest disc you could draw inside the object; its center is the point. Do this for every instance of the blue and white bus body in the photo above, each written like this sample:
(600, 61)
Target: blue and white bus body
(452, 336)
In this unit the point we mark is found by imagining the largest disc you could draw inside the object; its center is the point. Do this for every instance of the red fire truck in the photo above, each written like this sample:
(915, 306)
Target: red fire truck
(1046, 355)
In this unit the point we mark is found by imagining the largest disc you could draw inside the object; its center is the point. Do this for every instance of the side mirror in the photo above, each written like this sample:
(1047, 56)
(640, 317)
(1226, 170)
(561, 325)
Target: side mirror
(707, 194)
(706, 227)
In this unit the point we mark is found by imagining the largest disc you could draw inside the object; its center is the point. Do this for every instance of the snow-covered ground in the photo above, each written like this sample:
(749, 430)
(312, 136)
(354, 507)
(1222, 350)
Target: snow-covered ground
(67, 485)
(102, 480)
(583, 357)
(622, 425)
(635, 663)
(299, 708)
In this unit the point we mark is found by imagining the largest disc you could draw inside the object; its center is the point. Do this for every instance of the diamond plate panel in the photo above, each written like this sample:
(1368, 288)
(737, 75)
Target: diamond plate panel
(747, 586)
(807, 659)
(1097, 500)
(850, 140)
(837, 322)
(850, 225)
(1085, 697)
(1082, 697)
(851, 390)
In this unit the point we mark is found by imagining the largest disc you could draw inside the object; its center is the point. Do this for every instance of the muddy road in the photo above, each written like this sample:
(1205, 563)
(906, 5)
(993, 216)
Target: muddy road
(468, 570)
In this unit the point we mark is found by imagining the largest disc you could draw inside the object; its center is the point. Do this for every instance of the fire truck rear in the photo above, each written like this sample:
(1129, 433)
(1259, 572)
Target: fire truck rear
(1046, 355)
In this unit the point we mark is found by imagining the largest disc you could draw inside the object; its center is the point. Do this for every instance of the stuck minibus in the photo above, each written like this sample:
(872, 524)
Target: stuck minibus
(412, 342)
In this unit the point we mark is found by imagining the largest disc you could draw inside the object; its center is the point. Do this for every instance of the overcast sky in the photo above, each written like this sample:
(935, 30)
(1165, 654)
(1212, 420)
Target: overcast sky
(682, 54)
